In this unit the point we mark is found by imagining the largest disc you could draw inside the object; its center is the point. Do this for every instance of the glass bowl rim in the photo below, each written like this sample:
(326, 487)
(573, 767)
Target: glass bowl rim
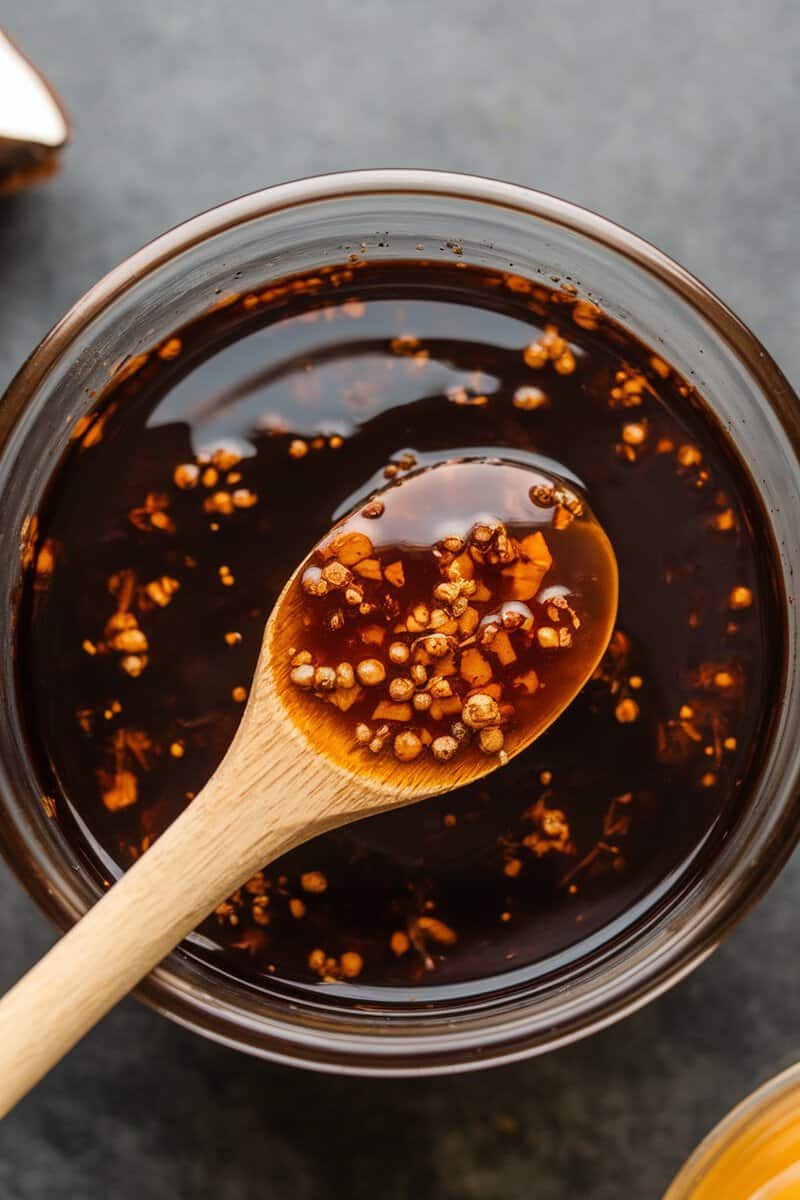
(466, 1049)
(401, 181)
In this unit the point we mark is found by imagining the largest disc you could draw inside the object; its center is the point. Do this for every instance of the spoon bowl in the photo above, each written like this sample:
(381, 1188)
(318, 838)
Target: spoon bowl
(417, 515)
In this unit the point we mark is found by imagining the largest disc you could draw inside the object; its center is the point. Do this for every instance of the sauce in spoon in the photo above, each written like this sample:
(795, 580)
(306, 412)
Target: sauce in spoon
(447, 622)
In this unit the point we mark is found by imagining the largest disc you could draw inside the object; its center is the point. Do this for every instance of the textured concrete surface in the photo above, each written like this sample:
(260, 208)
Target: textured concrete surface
(676, 118)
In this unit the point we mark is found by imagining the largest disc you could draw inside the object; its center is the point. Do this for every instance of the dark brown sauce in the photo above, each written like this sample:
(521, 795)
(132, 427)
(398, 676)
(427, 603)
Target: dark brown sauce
(319, 384)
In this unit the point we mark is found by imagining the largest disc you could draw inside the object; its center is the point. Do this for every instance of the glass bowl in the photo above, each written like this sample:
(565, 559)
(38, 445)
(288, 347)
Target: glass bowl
(754, 1152)
(303, 225)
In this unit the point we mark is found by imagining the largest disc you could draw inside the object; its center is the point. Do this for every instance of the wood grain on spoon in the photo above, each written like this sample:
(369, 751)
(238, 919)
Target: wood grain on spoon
(295, 768)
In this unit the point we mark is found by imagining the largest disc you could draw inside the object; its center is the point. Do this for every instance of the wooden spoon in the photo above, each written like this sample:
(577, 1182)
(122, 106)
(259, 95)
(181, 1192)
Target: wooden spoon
(294, 770)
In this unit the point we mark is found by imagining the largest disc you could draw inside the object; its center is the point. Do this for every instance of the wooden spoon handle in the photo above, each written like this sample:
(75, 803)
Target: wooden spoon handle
(250, 812)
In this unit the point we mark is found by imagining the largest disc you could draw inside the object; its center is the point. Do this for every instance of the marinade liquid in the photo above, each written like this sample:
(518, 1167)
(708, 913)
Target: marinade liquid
(207, 472)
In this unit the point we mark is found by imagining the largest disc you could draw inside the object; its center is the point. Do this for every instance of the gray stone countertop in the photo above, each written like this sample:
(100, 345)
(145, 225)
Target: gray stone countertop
(676, 118)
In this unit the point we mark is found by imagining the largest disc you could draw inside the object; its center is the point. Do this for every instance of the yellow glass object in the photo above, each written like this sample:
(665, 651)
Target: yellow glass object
(753, 1154)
